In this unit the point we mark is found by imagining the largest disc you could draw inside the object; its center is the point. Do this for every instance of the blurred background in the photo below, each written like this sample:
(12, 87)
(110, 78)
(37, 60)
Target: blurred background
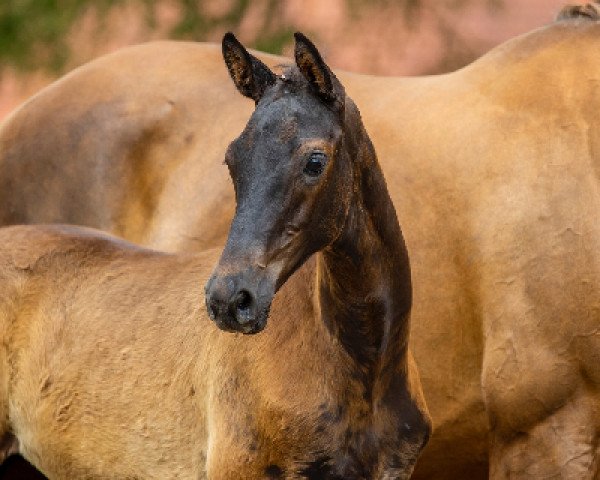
(42, 39)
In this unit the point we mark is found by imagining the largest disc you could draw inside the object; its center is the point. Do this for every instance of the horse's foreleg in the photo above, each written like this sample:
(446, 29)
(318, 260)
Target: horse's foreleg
(543, 410)
(563, 445)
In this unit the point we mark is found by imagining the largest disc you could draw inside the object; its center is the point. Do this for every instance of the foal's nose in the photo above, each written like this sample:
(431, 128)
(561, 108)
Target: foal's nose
(231, 306)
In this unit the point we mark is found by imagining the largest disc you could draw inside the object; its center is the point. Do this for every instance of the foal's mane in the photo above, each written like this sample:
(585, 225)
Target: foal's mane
(290, 74)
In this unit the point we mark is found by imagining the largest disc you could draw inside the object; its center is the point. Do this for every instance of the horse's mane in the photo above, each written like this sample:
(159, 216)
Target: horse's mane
(589, 11)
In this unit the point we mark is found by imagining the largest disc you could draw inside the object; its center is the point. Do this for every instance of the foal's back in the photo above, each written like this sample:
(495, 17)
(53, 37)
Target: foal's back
(93, 328)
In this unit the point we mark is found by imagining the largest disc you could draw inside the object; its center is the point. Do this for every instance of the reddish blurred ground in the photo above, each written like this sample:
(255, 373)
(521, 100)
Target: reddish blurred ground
(379, 37)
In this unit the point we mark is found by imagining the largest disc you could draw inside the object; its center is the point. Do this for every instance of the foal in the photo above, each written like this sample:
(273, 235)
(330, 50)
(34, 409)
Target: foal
(111, 367)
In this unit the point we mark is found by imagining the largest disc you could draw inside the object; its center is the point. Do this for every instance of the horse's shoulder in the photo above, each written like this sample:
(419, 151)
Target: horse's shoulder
(26, 246)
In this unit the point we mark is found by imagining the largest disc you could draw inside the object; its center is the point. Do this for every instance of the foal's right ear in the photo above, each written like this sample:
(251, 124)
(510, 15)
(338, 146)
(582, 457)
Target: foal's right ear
(316, 71)
(249, 74)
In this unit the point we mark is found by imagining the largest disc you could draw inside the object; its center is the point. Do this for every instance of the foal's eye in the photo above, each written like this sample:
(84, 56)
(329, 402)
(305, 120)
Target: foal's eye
(315, 164)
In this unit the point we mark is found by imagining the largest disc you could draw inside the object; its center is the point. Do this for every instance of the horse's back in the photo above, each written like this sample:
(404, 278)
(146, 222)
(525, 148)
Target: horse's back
(111, 145)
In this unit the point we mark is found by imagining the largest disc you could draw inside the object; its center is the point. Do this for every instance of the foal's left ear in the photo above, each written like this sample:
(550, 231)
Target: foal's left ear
(316, 71)
(249, 74)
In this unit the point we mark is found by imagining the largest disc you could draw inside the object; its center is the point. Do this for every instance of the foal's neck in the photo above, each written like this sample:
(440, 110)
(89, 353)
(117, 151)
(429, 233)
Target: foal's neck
(364, 280)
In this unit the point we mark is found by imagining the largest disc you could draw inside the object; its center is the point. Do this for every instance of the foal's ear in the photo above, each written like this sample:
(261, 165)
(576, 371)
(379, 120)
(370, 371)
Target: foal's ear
(316, 71)
(249, 74)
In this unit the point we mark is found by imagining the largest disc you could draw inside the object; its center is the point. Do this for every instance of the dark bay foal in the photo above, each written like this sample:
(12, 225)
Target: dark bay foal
(307, 180)
(112, 369)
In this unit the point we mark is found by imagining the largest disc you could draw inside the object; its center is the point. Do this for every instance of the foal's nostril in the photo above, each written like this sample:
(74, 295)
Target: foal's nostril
(212, 309)
(243, 302)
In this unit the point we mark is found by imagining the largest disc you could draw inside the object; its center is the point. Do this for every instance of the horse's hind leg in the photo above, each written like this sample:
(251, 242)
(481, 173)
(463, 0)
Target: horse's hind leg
(9, 445)
(17, 468)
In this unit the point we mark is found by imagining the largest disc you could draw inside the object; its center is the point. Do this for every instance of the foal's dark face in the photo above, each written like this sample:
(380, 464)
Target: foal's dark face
(292, 181)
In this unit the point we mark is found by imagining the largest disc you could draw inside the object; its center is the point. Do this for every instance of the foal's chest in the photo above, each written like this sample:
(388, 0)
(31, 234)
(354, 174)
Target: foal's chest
(316, 446)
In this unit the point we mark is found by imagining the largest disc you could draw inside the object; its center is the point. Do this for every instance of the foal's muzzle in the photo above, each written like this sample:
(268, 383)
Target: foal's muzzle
(239, 303)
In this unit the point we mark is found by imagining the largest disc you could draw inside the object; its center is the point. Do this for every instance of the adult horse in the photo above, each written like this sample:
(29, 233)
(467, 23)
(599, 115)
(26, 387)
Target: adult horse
(112, 369)
(493, 171)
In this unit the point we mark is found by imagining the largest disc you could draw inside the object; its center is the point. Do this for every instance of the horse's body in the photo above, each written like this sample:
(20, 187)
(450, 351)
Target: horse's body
(493, 170)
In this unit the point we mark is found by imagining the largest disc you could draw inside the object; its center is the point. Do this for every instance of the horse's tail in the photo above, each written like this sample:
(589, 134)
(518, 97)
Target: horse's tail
(589, 11)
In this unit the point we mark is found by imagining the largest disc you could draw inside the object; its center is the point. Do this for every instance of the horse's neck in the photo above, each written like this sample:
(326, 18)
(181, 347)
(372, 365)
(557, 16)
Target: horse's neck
(364, 283)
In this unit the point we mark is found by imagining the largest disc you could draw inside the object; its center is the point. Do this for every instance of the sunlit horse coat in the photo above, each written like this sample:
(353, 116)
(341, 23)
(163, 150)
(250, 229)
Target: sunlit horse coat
(494, 172)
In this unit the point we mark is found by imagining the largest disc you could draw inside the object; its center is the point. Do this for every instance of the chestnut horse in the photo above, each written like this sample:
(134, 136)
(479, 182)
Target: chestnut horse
(493, 170)
(112, 369)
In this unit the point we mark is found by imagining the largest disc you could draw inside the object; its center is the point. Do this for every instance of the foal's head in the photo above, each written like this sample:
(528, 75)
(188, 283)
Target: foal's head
(292, 171)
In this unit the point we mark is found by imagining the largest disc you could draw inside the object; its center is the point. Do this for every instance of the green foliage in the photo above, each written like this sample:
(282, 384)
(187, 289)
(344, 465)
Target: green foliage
(272, 36)
(33, 33)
